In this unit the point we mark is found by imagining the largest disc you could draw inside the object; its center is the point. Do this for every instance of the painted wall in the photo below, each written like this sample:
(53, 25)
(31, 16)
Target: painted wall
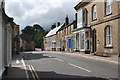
(48, 44)
(1, 54)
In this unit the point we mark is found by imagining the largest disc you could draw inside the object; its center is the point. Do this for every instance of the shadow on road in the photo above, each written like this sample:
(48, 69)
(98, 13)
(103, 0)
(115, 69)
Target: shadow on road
(55, 76)
(16, 73)
(32, 56)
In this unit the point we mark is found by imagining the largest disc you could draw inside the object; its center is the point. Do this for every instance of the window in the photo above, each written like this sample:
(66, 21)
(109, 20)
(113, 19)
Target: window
(87, 39)
(108, 36)
(62, 33)
(94, 12)
(67, 30)
(77, 41)
(79, 18)
(16, 31)
(108, 7)
(84, 17)
(82, 37)
(59, 33)
(70, 29)
(119, 4)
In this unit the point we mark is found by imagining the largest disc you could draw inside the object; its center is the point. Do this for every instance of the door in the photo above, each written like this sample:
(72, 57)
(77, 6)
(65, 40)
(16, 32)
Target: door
(94, 41)
(70, 44)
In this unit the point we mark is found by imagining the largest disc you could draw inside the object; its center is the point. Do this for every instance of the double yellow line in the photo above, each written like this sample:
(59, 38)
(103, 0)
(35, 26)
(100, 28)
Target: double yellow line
(34, 74)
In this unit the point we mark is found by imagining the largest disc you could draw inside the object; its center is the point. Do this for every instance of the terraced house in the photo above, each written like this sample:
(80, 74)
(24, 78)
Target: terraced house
(69, 36)
(98, 27)
(50, 38)
(65, 36)
(61, 42)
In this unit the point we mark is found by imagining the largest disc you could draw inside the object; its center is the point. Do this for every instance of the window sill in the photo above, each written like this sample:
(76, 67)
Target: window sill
(108, 14)
(108, 47)
(94, 19)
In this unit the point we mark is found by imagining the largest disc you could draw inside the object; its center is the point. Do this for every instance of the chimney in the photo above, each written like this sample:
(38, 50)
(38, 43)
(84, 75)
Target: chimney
(66, 20)
(58, 24)
(53, 26)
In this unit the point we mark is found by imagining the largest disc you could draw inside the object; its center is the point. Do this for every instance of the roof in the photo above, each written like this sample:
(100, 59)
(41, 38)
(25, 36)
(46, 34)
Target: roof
(82, 3)
(70, 23)
(5, 18)
(62, 27)
(53, 32)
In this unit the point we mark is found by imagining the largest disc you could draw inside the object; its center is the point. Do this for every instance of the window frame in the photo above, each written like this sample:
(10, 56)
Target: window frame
(70, 29)
(79, 18)
(93, 9)
(108, 36)
(85, 17)
(107, 6)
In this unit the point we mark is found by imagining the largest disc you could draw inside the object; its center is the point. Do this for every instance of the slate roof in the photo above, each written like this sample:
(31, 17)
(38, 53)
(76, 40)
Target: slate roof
(53, 32)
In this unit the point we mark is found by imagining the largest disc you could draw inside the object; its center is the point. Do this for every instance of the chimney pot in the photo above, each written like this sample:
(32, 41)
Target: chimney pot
(53, 26)
(58, 24)
(66, 20)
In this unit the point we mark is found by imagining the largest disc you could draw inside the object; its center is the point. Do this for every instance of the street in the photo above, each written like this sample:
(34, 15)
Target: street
(54, 65)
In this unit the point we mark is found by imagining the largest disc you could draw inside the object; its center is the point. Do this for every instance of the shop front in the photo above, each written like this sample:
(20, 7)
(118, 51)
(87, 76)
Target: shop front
(82, 40)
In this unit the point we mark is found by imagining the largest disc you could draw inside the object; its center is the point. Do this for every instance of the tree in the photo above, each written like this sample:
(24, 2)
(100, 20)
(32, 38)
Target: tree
(34, 33)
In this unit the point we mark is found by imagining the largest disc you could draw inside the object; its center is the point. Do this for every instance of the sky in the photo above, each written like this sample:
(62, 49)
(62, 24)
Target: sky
(42, 12)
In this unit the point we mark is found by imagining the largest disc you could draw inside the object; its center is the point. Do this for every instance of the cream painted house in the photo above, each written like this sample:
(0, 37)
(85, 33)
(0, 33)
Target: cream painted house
(5, 39)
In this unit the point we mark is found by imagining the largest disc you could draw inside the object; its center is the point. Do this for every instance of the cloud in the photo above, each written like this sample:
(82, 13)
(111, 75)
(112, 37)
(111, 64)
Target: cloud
(43, 12)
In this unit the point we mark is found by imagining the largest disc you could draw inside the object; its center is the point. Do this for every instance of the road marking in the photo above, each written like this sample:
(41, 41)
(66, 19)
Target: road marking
(25, 68)
(32, 72)
(59, 59)
(79, 67)
(35, 72)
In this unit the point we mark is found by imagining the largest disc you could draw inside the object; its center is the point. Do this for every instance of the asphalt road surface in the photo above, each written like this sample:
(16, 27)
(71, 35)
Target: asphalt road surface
(53, 65)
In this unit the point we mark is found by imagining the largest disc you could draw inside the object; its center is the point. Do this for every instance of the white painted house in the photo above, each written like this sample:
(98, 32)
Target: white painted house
(50, 38)
(5, 39)
(82, 33)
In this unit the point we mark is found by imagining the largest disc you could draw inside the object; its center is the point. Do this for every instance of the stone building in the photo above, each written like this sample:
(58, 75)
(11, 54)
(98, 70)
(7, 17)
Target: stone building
(98, 27)
(26, 45)
(60, 39)
(50, 38)
(61, 43)
(69, 36)
(5, 38)
(15, 39)
(65, 36)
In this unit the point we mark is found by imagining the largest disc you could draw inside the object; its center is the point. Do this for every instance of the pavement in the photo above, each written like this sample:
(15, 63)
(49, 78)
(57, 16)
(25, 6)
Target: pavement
(16, 71)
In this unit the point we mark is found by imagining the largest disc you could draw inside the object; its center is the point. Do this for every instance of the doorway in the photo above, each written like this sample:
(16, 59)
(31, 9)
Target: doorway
(94, 41)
